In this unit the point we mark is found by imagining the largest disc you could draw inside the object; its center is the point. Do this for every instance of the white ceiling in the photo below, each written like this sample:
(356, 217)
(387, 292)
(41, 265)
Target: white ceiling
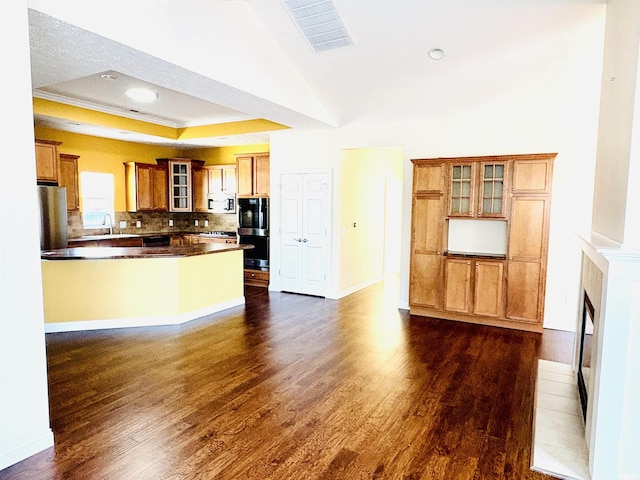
(386, 75)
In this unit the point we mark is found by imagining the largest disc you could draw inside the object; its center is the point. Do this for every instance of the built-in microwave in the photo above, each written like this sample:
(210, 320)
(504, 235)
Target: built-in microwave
(221, 203)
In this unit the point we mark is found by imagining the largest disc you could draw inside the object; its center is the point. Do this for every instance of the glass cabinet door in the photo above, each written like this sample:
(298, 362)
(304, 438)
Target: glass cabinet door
(461, 197)
(492, 190)
(180, 187)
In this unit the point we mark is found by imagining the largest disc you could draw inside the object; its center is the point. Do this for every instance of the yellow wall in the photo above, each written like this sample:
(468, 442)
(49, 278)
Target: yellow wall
(364, 174)
(108, 156)
(105, 155)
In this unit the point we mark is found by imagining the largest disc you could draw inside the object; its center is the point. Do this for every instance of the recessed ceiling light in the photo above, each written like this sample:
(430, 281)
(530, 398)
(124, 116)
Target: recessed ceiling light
(142, 95)
(106, 76)
(436, 54)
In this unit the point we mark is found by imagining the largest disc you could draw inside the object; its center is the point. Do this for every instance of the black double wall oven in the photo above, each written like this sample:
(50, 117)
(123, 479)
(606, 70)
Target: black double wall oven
(253, 229)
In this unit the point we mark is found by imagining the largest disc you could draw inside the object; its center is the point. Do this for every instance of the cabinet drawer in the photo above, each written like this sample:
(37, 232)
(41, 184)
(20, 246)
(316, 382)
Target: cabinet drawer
(258, 278)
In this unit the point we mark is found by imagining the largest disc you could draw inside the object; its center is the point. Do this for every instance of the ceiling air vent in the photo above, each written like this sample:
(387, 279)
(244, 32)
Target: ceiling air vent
(319, 23)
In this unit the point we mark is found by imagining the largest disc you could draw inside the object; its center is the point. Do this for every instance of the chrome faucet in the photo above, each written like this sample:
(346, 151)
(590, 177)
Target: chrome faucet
(104, 222)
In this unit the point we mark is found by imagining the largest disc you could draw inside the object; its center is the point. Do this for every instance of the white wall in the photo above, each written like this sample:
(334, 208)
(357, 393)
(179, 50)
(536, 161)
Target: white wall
(619, 131)
(24, 410)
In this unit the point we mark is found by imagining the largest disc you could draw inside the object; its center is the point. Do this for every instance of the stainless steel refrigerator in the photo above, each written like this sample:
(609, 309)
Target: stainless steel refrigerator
(53, 217)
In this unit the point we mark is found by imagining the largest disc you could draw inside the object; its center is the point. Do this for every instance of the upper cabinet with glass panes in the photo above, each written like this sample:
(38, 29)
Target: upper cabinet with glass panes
(180, 182)
(477, 189)
(461, 193)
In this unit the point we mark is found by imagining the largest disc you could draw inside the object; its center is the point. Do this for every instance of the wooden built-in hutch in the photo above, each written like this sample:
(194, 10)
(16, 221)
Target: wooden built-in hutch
(504, 286)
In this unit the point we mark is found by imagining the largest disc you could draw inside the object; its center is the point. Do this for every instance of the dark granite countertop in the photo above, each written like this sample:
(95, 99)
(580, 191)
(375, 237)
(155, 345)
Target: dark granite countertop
(178, 251)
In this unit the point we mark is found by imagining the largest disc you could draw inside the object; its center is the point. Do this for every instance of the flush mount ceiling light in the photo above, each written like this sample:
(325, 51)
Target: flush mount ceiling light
(107, 76)
(319, 22)
(142, 95)
(436, 54)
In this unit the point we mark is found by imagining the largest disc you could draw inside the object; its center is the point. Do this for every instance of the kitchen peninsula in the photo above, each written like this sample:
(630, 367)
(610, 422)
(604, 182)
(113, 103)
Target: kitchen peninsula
(112, 287)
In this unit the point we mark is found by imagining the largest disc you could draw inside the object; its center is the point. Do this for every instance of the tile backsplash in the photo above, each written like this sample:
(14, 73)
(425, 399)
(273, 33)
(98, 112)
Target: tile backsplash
(156, 222)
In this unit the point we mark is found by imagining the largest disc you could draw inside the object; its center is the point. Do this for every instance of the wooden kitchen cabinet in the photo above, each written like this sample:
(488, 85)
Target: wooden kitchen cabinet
(68, 178)
(256, 278)
(526, 267)
(211, 180)
(428, 178)
(47, 161)
(200, 179)
(477, 189)
(107, 242)
(501, 290)
(228, 240)
(426, 236)
(474, 286)
(253, 175)
(533, 176)
(457, 285)
(190, 239)
(146, 187)
(462, 189)
(197, 238)
(180, 181)
(222, 179)
(488, 297)
(425, 283)
(492, 189)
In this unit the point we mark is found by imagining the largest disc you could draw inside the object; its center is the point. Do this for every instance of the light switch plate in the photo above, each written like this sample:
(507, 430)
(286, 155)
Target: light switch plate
(196, 223)
(206, 223)
(123, 224)
(171, 223)
(138, 223)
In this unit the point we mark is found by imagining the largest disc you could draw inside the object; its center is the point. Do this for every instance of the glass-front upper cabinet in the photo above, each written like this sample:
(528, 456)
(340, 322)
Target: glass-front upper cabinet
(180, 182)
(491, 201)
(477, 189)
(180, 186)
(462, 188)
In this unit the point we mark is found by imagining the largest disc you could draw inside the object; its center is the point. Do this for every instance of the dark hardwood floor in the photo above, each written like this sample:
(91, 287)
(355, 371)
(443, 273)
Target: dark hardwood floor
(294, 387)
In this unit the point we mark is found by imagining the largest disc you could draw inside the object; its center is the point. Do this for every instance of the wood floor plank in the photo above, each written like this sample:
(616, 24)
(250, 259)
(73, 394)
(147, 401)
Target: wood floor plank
(293, 387)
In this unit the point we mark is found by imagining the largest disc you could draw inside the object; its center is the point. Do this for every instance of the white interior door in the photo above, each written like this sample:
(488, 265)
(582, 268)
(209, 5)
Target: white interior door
(304, 218)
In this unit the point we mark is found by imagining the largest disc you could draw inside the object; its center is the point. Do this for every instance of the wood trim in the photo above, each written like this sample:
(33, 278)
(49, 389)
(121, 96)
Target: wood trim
(476, 319)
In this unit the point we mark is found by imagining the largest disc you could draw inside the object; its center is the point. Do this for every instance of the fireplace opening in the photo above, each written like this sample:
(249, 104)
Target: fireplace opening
(586, 344)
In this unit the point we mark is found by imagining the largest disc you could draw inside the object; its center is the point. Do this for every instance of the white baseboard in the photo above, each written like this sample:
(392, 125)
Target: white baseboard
(153, 321)
(354, 288)
(17, 454)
